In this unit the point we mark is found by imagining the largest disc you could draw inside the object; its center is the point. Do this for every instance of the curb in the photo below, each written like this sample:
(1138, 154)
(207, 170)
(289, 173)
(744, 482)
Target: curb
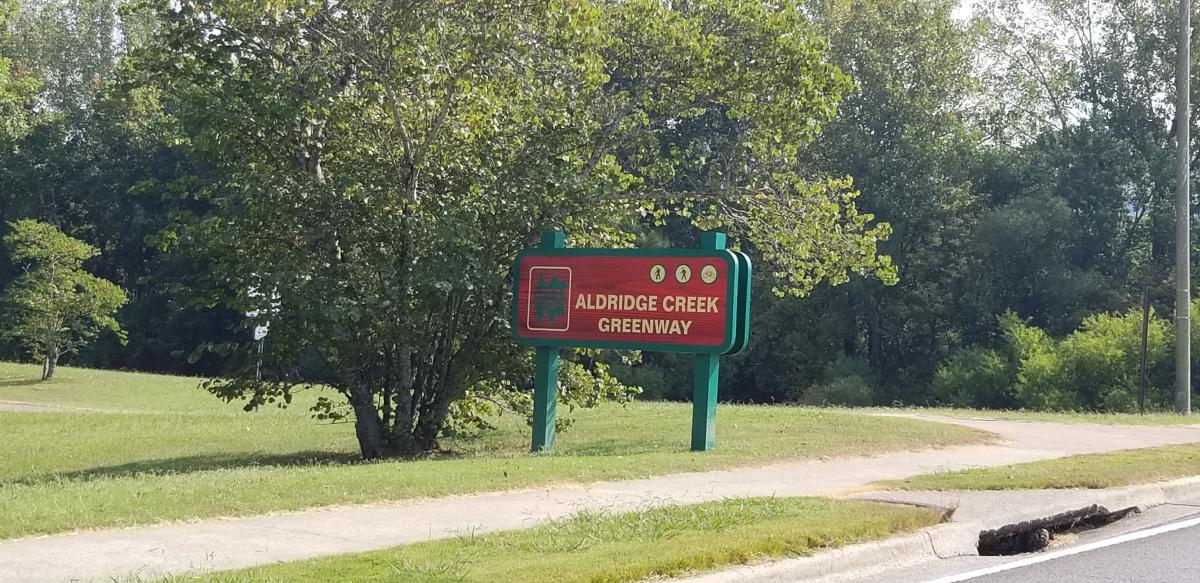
(953, 539)
(860, 559)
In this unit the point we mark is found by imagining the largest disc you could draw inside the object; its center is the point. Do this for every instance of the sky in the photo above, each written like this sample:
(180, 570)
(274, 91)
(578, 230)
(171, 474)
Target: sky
(963, 11)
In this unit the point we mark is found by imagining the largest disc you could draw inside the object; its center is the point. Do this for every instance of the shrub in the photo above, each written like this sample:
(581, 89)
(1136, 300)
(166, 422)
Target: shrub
(976, 377)
(851, 391)
(846, 381)
(1094, 368)
(1104, 357)
(1022, 341)
(1042, 382)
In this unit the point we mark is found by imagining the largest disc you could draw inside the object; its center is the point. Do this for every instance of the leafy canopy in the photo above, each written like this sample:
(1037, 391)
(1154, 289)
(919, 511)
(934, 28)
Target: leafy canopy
(379, 166)
(55, 306)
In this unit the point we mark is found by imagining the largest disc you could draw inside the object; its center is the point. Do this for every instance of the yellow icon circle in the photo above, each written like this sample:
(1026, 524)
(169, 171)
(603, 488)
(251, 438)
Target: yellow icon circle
(658, 273)
(683, 274)
(708, 273)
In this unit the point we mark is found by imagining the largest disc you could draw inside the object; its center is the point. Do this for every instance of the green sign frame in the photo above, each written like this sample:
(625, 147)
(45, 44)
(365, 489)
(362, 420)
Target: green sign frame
(743, 308)
(736, 317)
(706, 368)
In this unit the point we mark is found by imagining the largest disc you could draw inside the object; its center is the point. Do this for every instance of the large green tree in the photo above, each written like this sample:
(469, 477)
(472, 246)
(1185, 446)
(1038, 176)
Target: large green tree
(95, 155)
(55, 307)
(18, 85)
(1080, 111)
(902, 137)
(379, 165)
(72, 45)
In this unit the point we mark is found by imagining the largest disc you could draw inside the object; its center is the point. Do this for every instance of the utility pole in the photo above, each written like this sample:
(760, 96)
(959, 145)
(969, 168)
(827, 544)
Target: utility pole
(1183, 212)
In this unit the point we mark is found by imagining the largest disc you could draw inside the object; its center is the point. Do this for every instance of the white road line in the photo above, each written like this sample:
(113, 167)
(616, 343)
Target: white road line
(1069, 551)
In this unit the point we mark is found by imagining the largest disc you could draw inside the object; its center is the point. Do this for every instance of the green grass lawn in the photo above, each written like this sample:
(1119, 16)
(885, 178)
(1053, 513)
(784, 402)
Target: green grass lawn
(185, 455)
(1150, 418)
(591, 547)
(1103, 470)
(115, 390)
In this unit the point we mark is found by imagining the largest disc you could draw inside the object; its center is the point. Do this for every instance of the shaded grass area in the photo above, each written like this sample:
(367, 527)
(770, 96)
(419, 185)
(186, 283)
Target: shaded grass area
(592, 547)
(1150, 418)
(205, 458)
(1104, 470)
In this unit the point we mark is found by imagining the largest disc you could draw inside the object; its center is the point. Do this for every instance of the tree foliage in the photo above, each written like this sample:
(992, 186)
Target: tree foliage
(55, 306)
(1095, 368)
(360, 172)
(18, 86)
(380, 166)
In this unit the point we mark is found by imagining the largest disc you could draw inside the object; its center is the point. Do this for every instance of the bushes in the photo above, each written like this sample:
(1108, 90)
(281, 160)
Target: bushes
(1094, 368)
(1102, 360)
(846, 381)
(976, 377)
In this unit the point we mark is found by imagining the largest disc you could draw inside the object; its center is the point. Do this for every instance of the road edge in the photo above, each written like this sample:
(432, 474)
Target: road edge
(944, 541)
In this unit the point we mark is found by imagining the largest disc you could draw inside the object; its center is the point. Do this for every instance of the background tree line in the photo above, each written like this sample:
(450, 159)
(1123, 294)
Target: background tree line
(227, 157)
(1023, 158)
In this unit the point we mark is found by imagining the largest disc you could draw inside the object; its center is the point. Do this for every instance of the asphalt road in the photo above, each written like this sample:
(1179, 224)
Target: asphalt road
(1167, 557)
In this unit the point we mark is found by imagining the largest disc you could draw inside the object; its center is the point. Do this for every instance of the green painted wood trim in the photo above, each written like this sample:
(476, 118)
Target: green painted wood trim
(545, 376)
(745, 270)
(705, 373)
(706, 370)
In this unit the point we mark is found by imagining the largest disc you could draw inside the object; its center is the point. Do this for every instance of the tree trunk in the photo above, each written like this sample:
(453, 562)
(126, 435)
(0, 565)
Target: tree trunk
(431, 421)
(367, 425)
(402, 432)
(50, 363)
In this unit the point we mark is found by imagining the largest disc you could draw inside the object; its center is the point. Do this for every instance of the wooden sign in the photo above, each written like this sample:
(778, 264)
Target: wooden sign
(683, 300)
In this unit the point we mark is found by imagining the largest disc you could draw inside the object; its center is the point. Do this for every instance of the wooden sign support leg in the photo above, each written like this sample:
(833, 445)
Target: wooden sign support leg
(545, 376)
(704, 379)
(704, 402)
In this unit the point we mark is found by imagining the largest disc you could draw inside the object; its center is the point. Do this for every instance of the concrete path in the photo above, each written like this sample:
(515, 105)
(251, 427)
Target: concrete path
(20, 407)
(17, 407)
(242, 542)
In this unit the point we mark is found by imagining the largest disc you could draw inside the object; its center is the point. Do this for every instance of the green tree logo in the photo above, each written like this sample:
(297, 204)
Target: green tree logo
(549, 299)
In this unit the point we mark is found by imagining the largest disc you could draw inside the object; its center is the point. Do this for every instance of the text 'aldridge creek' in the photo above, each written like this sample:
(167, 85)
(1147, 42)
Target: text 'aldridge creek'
(648, 303)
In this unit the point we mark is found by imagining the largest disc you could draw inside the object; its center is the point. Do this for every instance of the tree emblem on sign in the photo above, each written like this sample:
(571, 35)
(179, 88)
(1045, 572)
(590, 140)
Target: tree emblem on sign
(549, 299)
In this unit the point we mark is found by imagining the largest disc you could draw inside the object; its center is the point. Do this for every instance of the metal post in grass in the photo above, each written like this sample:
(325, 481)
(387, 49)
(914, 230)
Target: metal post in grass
(1141, 400)
(1183, 213)
(545, 375)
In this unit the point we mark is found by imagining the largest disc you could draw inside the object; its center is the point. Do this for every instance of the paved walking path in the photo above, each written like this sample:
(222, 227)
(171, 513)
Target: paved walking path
(20, 407)
(242, 542)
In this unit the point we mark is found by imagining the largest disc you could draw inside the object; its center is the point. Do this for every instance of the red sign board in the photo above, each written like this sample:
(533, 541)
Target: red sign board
(664, 299)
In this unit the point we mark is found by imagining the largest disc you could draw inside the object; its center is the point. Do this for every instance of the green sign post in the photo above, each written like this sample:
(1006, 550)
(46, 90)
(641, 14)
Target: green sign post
(545, 375)
(705, 374)
(678, 300)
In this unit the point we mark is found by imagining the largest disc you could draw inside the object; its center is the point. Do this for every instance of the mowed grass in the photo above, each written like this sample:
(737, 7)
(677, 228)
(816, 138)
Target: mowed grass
(1104, 470)
(116, 391)
(1150, 418)
(186, 455)
(590, 547)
